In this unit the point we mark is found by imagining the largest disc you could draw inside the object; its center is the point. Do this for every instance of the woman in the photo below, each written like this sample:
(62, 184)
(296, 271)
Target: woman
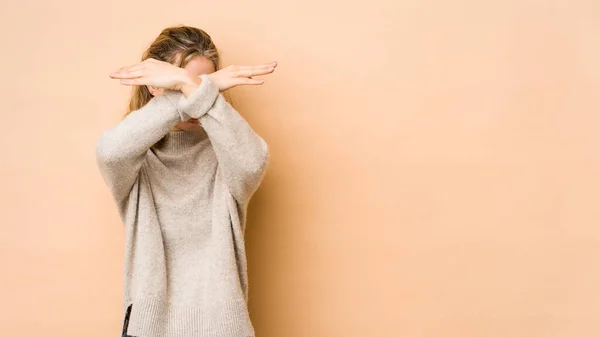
(181, 166)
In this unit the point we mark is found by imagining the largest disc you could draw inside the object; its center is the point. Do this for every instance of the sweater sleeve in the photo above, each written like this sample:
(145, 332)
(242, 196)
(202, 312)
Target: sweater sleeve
(120, 150)
(242, 154)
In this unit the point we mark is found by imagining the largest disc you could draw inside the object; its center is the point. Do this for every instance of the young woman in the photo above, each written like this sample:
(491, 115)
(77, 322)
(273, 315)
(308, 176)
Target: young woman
(181, 166)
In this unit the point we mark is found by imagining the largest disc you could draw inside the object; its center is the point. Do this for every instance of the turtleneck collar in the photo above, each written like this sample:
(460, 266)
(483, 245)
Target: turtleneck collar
(179, 141)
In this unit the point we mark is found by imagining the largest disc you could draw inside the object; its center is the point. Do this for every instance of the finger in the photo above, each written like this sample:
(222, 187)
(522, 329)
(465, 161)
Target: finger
(116, 72)
(127, 74)
(134, 81)
(128, 67)
(120, 71)
(138, 66)
(255, 72)
(264, 65)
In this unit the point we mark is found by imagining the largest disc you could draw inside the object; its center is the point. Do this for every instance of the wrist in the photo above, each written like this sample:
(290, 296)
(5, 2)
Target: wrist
(188, 84)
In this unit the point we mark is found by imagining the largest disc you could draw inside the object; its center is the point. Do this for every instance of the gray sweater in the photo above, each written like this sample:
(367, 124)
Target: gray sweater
(183, 197)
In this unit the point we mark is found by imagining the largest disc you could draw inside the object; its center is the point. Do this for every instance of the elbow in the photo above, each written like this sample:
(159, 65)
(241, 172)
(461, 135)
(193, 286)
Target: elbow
(250, 171)
(107, 150)
(260, 160)
(251, 179)
(256, 167)
(102, 149)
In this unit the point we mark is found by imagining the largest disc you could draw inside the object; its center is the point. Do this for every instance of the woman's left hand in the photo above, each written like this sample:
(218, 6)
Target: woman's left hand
(152, 72)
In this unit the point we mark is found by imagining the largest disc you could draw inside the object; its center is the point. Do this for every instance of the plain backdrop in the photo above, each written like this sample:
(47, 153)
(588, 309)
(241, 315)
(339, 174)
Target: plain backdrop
(434, 164)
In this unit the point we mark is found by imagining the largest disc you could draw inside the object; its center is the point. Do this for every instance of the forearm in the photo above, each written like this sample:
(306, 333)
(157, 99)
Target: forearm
(121, 149)
(138, 130)
(241, 153)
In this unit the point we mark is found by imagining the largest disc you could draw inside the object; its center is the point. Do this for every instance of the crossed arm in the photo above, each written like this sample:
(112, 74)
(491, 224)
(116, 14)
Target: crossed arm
(241, 153)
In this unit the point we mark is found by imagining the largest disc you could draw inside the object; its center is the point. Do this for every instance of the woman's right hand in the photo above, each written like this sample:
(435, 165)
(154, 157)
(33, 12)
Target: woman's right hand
(234, 75)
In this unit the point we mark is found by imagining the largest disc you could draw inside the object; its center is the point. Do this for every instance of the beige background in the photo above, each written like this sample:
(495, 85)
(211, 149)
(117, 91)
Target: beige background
(434, 171)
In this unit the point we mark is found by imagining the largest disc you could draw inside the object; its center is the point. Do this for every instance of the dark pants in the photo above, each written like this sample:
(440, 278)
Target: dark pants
(126, 322)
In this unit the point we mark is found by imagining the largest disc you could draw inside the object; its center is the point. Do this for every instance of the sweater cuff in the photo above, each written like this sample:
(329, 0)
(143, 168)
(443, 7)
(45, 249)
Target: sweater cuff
(166, 102)
(174, 97)
(199, 101)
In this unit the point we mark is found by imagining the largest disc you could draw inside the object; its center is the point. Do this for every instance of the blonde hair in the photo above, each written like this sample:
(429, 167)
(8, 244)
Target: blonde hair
(176, 45)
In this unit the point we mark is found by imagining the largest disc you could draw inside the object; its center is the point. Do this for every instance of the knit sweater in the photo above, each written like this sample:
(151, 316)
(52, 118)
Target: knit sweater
(183, 197)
